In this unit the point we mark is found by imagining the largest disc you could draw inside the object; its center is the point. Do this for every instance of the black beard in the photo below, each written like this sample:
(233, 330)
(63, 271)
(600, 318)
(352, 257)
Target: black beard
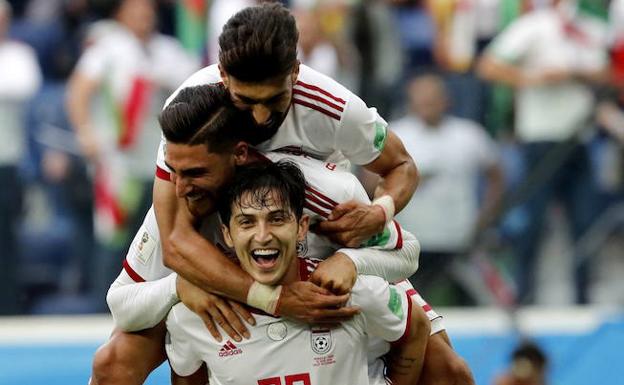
(263, 132)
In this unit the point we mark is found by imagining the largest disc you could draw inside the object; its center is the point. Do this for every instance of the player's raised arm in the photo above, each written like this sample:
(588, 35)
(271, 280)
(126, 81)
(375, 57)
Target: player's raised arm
(203, 133)
(352, 223)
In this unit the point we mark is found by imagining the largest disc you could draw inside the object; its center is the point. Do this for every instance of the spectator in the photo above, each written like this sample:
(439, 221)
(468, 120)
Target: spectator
(550, 56)
(114, 97)
(20, 79)
(528, 367)
(451, 154)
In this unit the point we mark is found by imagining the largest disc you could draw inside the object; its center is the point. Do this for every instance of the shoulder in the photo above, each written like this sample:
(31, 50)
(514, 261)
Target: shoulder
(321, 93)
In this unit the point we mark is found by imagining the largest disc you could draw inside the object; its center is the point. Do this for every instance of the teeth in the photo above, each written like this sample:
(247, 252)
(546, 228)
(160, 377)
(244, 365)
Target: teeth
(265, 252)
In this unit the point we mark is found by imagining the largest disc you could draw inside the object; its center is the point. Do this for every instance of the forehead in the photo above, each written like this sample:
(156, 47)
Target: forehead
(261, 201)
(187, 156)
(260, 90)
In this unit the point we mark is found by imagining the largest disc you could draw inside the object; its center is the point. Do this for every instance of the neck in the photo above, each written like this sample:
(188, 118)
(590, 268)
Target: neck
(292, 274)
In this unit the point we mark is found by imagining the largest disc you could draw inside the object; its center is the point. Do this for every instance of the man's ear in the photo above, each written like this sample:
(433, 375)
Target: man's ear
(295, 73)
(224, 76)
(241, 153)
(226, 236)
(304, 224)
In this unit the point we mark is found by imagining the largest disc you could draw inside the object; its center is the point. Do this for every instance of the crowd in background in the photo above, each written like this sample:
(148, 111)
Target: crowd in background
(512, 109)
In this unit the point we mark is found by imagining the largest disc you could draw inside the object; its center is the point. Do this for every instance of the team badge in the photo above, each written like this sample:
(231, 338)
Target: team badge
(277, 331)
(394, 303)
(321, 341)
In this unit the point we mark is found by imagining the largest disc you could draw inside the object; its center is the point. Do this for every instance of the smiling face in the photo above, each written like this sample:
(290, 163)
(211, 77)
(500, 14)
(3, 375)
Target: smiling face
(263, 230)
(267, 101)
(199, 175)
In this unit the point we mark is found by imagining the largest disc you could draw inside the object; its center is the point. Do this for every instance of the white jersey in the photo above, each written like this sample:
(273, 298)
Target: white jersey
(135, 307)
(325, 120)
(326, 186)
(281, 351)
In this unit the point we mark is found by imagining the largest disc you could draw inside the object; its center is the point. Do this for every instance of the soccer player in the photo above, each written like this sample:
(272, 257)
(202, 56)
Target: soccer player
(298, 108)
(263, 221)
(214, 151)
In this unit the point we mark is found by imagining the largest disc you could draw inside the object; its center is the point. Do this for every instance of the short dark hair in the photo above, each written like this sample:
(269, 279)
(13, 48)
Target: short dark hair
(531, 352)
(263, 179)
(204, 115)
(259, 43)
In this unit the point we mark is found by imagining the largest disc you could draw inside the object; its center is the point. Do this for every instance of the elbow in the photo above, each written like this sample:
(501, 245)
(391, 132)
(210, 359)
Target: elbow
(413, 255)
(113, 301)
(171, 250)
(420, 326)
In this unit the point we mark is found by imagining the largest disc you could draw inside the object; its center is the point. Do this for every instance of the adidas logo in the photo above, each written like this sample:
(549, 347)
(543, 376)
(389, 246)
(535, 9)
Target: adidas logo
(229, 349)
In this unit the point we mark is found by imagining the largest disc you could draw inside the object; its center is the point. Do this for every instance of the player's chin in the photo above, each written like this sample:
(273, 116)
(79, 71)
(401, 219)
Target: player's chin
(200, 208)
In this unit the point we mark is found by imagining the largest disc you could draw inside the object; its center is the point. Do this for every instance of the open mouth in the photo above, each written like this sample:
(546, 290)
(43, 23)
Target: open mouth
(265, 258)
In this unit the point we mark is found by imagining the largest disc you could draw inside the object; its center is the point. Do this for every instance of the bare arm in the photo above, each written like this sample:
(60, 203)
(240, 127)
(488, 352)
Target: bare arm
(493, 69)
(351, 223)
(405, 360)
(80, 91)
(191, 255)
(494, 186)
(397, 170)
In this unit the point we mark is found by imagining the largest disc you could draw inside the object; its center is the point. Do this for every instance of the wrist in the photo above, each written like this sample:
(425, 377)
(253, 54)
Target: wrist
(386, 203)
(264, 297)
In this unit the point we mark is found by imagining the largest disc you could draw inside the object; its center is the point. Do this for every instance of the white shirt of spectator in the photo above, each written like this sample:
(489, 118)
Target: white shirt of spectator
(279, 349)
(325, 120)
(449, 157)
(20, 78)
(115, 60)
(537, 42)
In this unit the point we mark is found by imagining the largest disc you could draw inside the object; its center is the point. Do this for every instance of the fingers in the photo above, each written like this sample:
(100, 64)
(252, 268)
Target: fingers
(233, 320)
(341, 210)
(334, 315)
(243, 312)
(212, 329)
(219, 319)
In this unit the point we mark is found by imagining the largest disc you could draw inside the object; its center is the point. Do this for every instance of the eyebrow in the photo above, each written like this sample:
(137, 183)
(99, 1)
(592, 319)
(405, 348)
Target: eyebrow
(190, 171)
(249, 100)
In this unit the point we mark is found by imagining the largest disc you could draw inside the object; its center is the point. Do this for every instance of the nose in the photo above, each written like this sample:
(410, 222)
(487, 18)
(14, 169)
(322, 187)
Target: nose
(182, 187)
(263, 235)
(260, 113)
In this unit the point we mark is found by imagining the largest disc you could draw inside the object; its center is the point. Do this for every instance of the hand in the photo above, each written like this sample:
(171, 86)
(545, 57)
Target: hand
(215, 310)
(336, 274)
(307, 302)
(352, 223)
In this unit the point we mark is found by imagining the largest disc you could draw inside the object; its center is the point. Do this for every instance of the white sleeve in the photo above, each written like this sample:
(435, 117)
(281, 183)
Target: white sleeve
(183, 357)
(22, 76)
(140, 305)
(392, 265)
(362, 132)
(93, 62)
(162, 171)
(385, 309)
(516, 40)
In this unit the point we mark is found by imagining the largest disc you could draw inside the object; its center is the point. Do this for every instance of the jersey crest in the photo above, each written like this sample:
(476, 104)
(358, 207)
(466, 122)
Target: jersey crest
(321, 341)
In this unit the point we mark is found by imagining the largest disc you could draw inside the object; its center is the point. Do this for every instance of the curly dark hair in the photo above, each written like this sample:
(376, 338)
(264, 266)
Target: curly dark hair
(264, 180)
(259, 43)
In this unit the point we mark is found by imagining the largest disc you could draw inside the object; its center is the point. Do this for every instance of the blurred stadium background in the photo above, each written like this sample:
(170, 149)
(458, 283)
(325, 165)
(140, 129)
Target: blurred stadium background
(496, 282)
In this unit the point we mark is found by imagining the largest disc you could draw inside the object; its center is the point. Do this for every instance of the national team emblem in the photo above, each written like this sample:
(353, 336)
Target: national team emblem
(380, 136)
(321, 341)
(277, 331)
